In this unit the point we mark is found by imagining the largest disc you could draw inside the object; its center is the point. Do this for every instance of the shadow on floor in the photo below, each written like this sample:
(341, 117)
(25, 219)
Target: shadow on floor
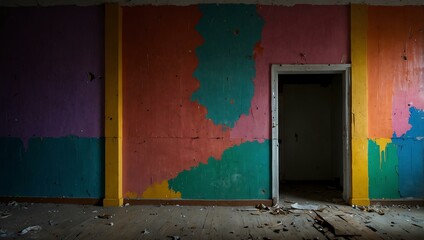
(321, 192)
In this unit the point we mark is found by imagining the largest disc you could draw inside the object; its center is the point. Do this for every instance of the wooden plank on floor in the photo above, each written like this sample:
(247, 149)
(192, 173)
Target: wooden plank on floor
(340, 226)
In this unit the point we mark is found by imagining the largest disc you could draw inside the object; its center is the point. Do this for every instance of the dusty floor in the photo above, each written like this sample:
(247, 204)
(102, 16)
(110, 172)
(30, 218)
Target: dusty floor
(59, 221)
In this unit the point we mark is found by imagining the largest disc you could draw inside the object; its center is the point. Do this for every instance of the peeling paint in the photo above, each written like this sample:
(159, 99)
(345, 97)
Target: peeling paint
(383, 169)
(242, 173)
(165, 135)
(160, 191)
(411, 156)
(382, 144)
(226, 67)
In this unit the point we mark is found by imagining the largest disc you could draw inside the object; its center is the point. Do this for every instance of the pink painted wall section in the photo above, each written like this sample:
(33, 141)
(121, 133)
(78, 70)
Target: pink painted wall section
(396, 80)
(302, 34)
(164, 131)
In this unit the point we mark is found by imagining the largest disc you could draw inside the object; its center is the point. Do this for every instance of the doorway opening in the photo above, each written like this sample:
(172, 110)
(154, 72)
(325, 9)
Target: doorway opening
(310, 136)
(310, 131)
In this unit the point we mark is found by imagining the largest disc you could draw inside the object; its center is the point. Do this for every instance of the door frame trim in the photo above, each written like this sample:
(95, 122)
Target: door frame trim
(344, 69)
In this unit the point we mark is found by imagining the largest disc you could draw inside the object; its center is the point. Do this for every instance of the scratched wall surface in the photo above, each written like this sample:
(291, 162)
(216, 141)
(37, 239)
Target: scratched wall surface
(51, 119)
(196, 93)
(396, 102)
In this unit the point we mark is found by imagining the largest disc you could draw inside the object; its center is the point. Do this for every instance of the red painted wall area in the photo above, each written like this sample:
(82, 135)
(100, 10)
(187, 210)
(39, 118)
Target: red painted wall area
(302, 34)
(395, 52)
(164, 131)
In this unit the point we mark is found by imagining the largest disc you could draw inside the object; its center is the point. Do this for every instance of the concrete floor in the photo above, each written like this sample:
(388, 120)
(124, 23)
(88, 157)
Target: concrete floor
(60, 221)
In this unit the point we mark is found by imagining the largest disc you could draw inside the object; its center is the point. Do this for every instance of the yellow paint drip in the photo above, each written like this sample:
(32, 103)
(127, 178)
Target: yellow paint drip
(382, 144)
(132, 195)
(161, 191)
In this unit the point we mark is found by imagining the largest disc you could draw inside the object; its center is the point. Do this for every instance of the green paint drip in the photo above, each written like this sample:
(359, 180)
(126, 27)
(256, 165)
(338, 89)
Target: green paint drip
(52, 167)
(242, 173)
(384, 178)
(226, 66)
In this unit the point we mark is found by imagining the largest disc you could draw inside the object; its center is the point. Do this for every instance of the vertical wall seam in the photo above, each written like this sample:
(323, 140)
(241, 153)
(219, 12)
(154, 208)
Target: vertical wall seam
(113, 105)
(360, 181)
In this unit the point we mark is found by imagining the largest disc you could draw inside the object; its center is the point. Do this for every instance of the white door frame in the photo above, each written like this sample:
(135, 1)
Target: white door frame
(344, 69)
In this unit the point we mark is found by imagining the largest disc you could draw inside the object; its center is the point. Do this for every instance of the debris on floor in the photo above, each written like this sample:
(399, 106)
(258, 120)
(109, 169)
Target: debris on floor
(372, 228)
(4, 233)
(307, 207)
(174, 237)
(274, 210)
(35, 228)
(12, 204)
(375, 209)
(280, 221)
(104, 216)
(5, 214)
(262, 206)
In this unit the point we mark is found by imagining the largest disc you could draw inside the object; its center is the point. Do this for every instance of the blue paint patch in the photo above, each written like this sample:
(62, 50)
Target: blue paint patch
(52, 167)
(244, 172)
(410, 151)
(226, 66)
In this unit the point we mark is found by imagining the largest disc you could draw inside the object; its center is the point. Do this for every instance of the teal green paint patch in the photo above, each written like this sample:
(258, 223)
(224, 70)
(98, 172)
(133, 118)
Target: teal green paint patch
(226, 66)
(52, 167)
(242, 173)
(383, 171)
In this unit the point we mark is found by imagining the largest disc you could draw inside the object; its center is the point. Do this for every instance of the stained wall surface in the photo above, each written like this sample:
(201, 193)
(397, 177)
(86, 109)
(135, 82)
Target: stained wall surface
(196, 92)
(396, 101)
(51, 118)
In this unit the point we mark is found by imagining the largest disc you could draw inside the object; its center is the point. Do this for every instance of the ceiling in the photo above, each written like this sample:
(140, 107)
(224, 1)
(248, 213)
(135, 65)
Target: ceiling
(20, 3)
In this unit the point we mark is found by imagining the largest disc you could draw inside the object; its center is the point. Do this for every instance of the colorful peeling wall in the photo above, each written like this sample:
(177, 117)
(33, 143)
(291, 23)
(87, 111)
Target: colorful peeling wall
(52, 94)
(396, 102)
(196, 97)
(196, 93)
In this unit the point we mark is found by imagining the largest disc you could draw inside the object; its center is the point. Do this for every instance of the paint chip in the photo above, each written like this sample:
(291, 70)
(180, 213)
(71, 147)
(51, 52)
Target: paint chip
(91, 76)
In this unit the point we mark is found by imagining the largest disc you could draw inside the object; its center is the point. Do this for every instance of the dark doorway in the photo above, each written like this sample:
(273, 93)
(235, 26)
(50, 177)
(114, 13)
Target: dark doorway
(310, 135)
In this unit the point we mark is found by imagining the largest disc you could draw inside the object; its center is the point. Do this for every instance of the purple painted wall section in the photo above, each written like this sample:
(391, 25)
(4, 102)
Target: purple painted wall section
(46, 57)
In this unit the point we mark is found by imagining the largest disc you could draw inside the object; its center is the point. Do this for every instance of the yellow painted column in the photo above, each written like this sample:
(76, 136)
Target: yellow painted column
(113, 105)
(359, 26)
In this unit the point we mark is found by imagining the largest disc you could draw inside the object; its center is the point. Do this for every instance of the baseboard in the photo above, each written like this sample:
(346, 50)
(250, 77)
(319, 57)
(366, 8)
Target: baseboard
(81, 201)
(267, 202)
(387, 202)
(359, 201)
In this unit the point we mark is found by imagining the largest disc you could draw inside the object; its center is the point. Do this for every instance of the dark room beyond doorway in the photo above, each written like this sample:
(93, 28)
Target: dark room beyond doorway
(310, 136)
